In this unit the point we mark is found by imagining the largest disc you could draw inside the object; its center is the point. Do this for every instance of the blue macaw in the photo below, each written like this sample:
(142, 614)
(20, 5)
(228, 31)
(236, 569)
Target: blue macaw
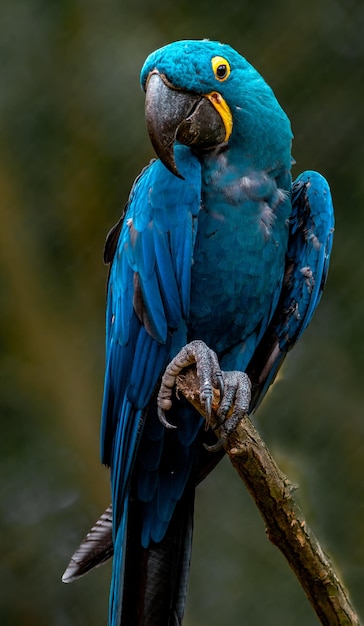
(215, 248)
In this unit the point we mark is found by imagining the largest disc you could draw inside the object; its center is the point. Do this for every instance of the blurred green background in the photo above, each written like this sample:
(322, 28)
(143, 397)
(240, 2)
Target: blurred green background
(73, 138)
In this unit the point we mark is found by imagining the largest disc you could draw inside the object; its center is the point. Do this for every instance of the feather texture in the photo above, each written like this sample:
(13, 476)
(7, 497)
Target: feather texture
(227, 251)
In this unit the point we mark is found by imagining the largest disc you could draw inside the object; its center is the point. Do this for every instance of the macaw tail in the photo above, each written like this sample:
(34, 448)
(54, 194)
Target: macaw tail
(149, 586)
(155, 579)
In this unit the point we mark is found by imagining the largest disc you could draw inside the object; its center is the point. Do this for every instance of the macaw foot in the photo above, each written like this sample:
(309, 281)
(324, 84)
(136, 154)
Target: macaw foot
(208, 372)
(234, 404)
(234, 388)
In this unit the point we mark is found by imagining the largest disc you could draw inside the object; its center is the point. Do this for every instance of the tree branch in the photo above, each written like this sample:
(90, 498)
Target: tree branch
(285, 523)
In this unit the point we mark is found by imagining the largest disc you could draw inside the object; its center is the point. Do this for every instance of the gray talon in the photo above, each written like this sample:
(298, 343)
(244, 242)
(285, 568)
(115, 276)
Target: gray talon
(208, 372)
(164, 421)
(234, 390)
(207, 402)
(216, 446)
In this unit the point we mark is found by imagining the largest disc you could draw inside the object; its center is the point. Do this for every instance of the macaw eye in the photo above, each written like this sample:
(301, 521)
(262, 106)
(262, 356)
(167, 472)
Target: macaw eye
(221, 68)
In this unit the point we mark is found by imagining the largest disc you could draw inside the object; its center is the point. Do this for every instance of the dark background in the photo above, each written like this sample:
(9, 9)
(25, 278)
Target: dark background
(72, 140)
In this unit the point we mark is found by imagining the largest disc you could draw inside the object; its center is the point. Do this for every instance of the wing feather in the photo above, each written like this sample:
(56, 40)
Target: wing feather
(307, 261)
(147, 304)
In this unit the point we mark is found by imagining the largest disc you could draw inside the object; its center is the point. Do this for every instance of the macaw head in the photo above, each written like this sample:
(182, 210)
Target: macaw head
(204, 94)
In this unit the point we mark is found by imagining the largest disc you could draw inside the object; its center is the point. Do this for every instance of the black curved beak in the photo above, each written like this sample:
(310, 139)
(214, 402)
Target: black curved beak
(175, 115)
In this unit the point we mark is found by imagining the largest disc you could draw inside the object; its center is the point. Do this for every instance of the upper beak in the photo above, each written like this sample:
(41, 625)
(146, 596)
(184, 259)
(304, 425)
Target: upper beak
(175, 115)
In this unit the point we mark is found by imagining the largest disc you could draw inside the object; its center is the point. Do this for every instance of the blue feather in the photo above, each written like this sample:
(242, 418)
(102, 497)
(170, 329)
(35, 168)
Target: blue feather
(229, 253)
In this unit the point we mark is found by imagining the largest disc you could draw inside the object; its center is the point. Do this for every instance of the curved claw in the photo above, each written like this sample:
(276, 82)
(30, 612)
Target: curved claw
(164, 421)
(207, 402)
(216, 446)
(225, 428)
(208, 372)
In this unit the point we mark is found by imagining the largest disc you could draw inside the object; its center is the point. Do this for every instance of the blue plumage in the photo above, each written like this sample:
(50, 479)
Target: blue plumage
(215, 245)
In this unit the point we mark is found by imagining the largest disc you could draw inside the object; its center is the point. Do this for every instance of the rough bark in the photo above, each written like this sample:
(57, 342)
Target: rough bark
(285, 524)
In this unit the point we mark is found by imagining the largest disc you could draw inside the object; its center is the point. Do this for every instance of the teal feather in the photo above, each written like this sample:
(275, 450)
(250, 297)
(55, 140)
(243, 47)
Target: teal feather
(230, 253)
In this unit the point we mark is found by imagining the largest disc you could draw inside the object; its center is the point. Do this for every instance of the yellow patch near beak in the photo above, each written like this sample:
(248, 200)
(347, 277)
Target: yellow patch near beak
(223, 110)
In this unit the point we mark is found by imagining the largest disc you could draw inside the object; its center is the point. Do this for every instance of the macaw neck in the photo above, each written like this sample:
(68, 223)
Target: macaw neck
(236, 176)
(261, 137)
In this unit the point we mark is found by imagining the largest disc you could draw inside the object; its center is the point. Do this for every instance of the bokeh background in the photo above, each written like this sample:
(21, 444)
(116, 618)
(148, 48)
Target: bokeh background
(72, 140)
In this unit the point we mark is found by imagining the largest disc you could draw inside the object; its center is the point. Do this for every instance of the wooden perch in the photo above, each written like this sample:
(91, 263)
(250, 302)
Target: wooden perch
(285, 524)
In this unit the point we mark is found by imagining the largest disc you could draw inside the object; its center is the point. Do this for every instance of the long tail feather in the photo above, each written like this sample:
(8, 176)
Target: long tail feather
(96, 548)
(156, 578)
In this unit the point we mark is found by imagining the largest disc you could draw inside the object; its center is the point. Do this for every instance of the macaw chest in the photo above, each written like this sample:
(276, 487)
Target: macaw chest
(237, 272)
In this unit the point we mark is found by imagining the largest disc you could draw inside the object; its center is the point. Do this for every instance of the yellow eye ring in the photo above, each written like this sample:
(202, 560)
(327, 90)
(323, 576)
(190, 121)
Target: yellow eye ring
(221, 68)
